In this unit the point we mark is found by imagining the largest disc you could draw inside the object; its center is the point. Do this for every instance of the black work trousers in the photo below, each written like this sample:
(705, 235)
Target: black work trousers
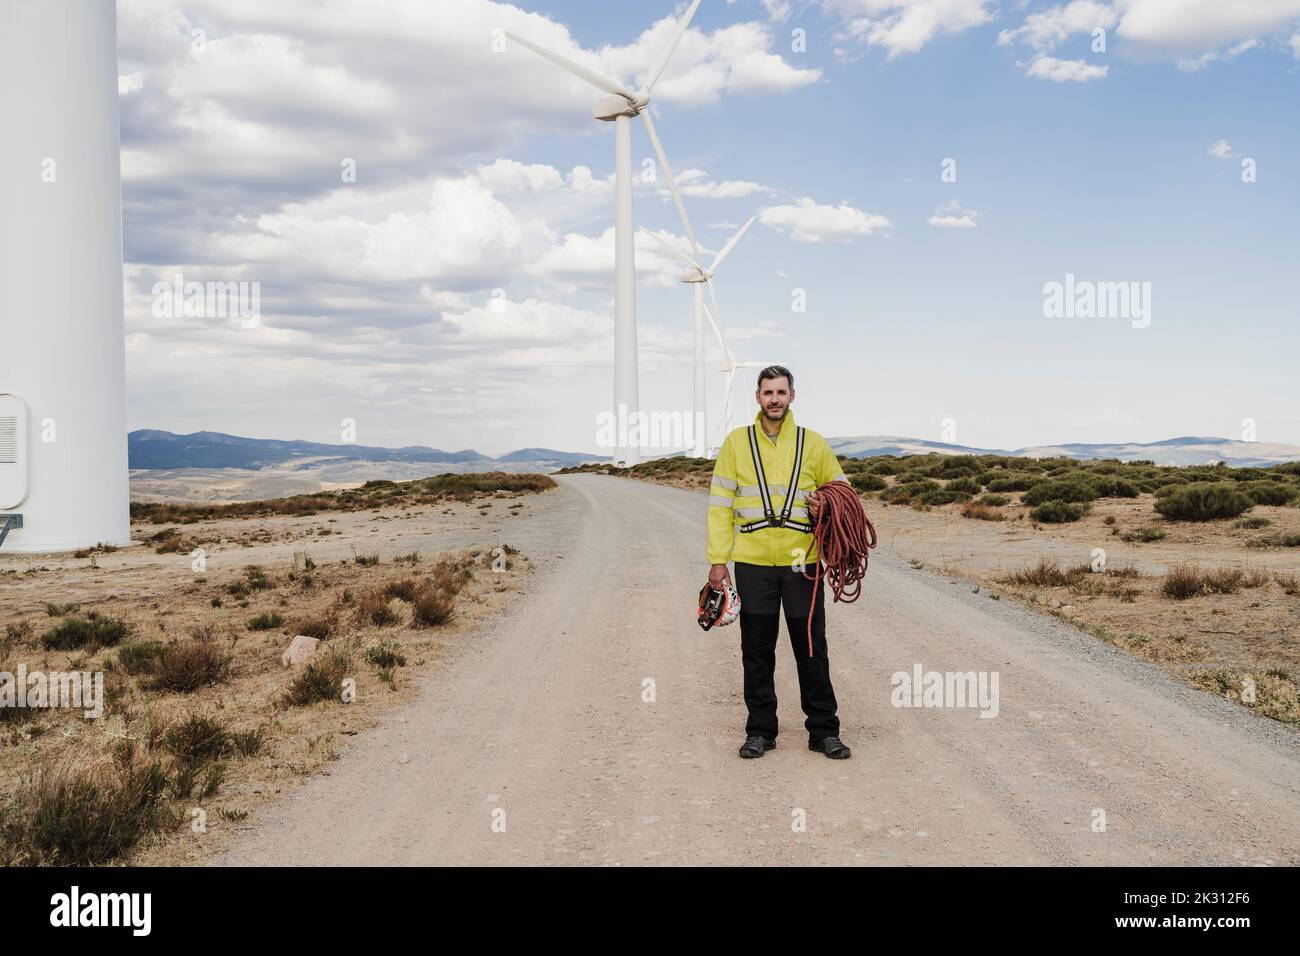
(763, 591)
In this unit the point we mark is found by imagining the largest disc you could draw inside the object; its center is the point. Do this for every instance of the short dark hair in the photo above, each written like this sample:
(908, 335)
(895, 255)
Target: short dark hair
(776, 371)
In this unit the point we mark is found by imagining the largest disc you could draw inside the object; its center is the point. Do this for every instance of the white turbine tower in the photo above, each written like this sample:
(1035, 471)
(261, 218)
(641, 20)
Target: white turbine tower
(63, 461)
(619, 108)
(697, 279)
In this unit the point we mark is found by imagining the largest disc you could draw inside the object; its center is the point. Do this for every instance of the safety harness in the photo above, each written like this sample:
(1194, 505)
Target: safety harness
(770, 518)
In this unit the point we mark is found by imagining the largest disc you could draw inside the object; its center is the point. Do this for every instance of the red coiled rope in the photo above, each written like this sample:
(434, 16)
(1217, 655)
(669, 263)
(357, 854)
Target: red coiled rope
(844, 536)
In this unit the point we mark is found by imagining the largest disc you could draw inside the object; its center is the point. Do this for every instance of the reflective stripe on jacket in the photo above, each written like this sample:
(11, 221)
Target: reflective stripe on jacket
(736, 499)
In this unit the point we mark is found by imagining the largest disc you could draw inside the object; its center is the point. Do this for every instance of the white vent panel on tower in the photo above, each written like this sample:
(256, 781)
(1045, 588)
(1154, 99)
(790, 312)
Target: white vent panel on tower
(13, 451)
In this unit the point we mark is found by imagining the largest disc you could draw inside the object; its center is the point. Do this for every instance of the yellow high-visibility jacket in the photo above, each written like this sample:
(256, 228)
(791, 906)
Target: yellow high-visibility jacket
(735, 498)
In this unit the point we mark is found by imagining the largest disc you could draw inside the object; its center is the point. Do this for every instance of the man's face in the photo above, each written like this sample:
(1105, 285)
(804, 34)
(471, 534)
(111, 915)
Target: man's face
(774, 396)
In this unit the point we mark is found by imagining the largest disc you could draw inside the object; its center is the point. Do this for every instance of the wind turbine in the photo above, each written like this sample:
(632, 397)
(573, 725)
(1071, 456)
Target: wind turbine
(619, 107)
(697, 279)
(728, 367)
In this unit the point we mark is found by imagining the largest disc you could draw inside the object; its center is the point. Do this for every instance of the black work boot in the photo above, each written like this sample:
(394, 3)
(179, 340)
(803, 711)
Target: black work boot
(832, 747)
(756, 746)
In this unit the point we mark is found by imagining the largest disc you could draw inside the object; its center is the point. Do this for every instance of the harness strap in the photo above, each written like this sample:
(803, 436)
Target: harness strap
(770, 519)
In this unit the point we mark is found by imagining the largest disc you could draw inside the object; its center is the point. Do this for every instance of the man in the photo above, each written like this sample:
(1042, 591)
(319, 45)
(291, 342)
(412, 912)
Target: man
(769, 535)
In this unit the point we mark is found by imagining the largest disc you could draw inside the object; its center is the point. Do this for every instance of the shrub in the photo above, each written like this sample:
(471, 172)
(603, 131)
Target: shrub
(1049, 573)
(1252, 523)
(1181, 582)
(981, 512)
(385, 654)
(1058, 512)
(1202, 502)
(73, 817)
(1275, 541)
(90, 633)
(1270, 492)
(248, 742)
(994, 501)
(140, 657)
(256, 578)
(266, 622)
(432, 605)
(1013, 482)
(321, 679)
(957, 466)
(941, 496)
(967, 484)
(404, 589)
(320, 626)
(1187, 580)
(865, 481)
(196, 740)
(183, 668)
(1059, 490)
(1144, 535)
(373, 608)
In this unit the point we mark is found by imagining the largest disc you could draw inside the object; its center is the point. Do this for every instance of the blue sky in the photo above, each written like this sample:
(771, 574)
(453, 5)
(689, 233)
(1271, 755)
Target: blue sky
(375, 293)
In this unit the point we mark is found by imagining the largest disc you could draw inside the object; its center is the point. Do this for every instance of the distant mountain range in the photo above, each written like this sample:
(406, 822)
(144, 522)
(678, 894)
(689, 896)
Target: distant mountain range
(153, 449)
(1171, 451)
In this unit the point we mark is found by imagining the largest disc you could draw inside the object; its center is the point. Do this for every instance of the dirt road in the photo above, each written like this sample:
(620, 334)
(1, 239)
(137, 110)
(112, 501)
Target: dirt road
(537, 741)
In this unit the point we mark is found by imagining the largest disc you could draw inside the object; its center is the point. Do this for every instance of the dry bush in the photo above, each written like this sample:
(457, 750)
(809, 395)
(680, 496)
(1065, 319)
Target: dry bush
(432, 604)
(373, 608)
(981, 512)
(1048, 573)
(71, 816)
(320, 679)
(184, 668)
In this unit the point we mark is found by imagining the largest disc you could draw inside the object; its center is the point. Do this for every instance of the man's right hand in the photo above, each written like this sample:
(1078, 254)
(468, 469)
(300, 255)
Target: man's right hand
(717, 574)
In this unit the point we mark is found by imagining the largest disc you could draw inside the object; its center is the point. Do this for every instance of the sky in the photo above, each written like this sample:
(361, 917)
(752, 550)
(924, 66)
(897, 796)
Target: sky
(424, 214)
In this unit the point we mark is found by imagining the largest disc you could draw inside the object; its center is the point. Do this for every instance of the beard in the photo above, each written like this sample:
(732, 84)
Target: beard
(775, 417)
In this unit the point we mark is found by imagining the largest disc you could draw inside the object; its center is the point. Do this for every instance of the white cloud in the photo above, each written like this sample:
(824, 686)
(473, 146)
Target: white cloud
(696, 182)
(130, 83)
(735, 59)
(508, 176)
(905, 26)
(1192, 64)
(529, 322)
(1065, 71)
(1220, 150)
(1190, 24)
(581, 261)
(951, 216)
(1294, 43)
(808, 221)
(1047, 29)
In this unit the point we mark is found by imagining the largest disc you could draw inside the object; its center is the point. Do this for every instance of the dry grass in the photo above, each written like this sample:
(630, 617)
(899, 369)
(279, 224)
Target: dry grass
(981, 512)
(205, 700)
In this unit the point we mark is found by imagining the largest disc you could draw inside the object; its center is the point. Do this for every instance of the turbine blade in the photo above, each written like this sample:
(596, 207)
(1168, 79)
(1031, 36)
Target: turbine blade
(675, 251)
(672, 182)
(597, 80)
(731, 244)
(717, 328)
(668, 52)
(726, 403)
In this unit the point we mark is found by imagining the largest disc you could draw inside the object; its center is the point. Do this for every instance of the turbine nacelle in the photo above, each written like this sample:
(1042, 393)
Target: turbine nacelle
(615, 105)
